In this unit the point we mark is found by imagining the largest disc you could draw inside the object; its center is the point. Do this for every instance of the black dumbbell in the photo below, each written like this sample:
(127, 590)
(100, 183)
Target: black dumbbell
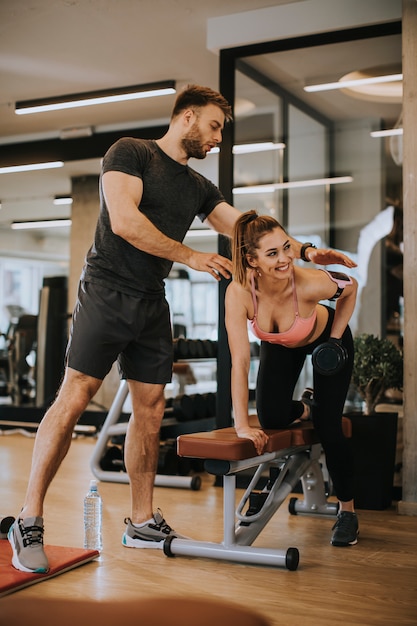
(180, 349)
(329, 357)
(112, 460)
(208, 349)
(211, 404)
(200, 406)
(183, 407)
(167, 458)
(200, 349)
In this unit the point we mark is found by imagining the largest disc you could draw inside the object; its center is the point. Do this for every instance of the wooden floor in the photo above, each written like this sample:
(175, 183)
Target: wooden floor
(373, 583)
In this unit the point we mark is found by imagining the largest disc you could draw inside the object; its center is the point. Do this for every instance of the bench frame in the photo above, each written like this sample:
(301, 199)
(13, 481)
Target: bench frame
(299, 461)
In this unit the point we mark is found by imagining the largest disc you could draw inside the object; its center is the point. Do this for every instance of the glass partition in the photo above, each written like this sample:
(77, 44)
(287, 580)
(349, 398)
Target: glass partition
(308, 160)
(258, 148)
(331, 182)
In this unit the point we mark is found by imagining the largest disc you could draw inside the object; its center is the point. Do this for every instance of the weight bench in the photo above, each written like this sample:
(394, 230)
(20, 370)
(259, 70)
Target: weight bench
(291, 455)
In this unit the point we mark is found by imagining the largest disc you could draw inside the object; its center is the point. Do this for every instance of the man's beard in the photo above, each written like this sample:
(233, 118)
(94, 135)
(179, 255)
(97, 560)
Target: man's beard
(192, 144)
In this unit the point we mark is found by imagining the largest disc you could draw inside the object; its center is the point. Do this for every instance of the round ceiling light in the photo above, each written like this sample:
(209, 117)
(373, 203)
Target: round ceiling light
(389, 92)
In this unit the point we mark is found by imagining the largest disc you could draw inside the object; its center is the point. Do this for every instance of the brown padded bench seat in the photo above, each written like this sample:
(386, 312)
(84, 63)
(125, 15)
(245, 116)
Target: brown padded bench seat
(224, 444)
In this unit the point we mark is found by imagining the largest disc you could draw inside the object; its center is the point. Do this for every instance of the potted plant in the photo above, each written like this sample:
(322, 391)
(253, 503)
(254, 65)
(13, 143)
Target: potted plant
(378, 366)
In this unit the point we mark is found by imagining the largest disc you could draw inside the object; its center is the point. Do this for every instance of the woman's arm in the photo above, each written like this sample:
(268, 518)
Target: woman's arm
(322, 256)
(237, 332)
(318, 285)
(345, 305)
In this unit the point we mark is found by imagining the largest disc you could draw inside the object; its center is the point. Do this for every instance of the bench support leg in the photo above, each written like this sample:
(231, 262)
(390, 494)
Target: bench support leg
(229, 550)
(292, 468)
(314, 491)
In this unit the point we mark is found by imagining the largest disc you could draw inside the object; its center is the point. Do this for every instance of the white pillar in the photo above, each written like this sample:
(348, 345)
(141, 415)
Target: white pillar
(408, 505)
(85, 210)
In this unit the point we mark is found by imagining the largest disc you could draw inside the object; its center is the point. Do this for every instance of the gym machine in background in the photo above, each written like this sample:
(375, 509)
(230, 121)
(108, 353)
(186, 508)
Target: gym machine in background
(16, 360)
(32, 362)
(52, 338)
(36, 351)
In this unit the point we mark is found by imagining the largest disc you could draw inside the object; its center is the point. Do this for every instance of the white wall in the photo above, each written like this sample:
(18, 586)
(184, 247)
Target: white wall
(357, 204)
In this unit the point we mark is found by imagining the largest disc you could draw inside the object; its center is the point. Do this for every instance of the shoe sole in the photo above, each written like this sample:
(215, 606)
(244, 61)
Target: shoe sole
(15, 558)
(340, 544)
(128, 542)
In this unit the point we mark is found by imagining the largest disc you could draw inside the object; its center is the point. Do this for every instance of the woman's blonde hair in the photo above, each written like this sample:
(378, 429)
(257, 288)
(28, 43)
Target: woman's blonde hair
(248, 230)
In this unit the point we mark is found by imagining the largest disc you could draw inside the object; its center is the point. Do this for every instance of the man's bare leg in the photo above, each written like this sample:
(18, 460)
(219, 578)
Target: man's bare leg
(146, 528)
(142, 446)
(54, 435)
(52, 443)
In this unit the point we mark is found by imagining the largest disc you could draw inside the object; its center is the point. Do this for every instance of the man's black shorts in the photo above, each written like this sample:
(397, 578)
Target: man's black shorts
(109, 325)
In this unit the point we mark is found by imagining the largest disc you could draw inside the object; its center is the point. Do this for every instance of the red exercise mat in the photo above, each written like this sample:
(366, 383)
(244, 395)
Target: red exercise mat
(61, 560)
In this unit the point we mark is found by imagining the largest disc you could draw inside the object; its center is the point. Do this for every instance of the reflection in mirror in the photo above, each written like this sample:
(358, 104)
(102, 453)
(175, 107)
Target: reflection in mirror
(258, 121)
(326, 134)
(308, 159)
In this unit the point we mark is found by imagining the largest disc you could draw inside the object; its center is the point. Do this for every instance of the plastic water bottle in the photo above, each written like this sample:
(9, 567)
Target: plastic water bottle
(92, 518)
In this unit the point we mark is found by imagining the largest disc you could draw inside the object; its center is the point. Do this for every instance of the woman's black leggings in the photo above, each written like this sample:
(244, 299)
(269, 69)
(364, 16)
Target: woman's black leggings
(279, 370)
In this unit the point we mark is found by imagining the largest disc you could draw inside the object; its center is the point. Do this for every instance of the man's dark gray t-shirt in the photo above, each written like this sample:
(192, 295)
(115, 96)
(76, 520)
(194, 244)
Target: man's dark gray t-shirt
(173, 195)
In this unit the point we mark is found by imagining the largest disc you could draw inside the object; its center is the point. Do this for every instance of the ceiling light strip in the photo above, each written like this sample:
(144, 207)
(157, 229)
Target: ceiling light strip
(345, 84)
(62, 200)
(71, 101)
(201, 233)
(389, 132)
(265, 146)
(12, 169)
(247, 148)
(59, 223)
(336, 180)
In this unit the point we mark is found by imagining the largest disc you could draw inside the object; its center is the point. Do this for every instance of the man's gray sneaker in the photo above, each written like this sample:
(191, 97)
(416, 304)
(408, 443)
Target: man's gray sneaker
(346, 529)
(26, 538)
(151, 535)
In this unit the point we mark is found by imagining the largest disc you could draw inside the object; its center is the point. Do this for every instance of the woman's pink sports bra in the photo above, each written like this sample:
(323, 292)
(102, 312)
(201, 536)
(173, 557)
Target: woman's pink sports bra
(301, 328)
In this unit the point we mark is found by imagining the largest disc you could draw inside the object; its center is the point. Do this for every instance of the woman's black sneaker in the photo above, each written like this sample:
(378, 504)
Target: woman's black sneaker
(346, 529)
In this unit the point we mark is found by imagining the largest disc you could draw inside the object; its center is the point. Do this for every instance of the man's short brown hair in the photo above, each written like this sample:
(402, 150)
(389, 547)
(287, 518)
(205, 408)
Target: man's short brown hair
(195, 96)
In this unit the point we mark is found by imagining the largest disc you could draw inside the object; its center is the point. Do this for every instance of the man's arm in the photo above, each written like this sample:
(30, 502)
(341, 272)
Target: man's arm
(123, 194)
(223, 217)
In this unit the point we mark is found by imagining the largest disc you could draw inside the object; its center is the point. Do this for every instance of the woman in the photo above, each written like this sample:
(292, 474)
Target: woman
(282, 304)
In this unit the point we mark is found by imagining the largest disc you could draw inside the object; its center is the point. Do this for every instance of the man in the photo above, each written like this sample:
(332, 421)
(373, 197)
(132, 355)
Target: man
(149, 198)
